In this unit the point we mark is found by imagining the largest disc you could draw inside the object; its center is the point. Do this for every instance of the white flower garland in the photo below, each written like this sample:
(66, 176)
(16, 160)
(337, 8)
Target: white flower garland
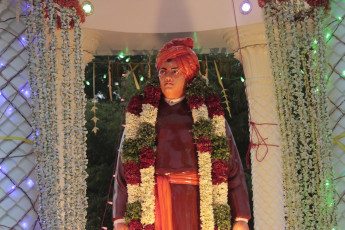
(61, 175)
(147, 195)
(297, 50)
(210, 195)
(205, 184)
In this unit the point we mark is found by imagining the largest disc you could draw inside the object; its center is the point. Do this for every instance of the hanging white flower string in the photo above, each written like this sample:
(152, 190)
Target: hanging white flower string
(60, 171)
(297, 51)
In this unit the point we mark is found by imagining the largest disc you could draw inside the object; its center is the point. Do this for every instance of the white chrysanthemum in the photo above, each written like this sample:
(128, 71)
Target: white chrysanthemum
(218, 123)
(205, 184)
(200, 113)
(149, 114)
(133, 191)
(132, 125)
(148, 197)
(220, 193)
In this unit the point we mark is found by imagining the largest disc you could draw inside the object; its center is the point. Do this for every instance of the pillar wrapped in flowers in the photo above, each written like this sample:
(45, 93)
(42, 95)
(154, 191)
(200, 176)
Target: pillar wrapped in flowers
(297, 51)
(56, 78)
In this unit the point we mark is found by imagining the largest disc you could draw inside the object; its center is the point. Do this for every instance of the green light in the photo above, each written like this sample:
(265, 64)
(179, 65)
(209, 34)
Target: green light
(302, 71)
(315, 41)
(343, 73)
(195, 37)
(104, 76)
(128, 59)
(340, 18)
(328, 35)
(121, 55)
(87, 83)
(87, 7)
(142, 78)
(221, 78)
(314, 51)
(242, 79)
(326, 76)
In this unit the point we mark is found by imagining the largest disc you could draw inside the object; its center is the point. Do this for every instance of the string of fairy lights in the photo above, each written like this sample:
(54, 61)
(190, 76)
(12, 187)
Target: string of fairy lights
(15, 94)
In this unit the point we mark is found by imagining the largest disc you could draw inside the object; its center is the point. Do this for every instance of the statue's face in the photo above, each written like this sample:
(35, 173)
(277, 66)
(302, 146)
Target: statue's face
(172, 81)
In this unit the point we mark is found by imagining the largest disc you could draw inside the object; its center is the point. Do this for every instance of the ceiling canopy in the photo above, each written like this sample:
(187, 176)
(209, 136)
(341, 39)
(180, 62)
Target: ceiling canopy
(141, 26)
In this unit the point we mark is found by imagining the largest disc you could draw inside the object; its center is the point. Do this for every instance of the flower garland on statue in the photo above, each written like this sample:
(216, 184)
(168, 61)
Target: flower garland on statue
(139, 148)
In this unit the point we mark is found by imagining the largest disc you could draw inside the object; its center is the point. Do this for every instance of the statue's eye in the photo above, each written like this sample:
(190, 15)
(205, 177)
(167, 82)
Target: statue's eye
(162, 71)
(175, 71)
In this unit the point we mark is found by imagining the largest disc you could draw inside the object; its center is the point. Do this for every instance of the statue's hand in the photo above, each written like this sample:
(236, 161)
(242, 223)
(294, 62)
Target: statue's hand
(120, 226)
(240, 225)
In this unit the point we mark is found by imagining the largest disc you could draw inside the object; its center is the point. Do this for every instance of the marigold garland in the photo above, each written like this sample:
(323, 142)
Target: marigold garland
(138, 155)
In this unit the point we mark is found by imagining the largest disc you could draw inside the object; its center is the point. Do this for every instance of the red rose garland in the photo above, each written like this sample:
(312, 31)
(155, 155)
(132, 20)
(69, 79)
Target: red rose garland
(204, 144)
(212, 172)
(135, 225)
(152, 96)
(195, 102)
(146, 108)
(147, 157)
(135, 105)
(219, 171)
(132, 173)
(214, 106)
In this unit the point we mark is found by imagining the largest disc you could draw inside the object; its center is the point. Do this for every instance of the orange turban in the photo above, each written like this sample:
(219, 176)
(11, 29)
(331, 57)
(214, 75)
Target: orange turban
(180, 49)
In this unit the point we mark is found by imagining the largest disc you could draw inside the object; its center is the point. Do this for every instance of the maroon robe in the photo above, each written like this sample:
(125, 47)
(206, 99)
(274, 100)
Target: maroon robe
(176, 153)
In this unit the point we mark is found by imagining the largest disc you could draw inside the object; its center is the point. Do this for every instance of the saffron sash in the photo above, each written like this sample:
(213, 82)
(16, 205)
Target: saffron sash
(163, 220)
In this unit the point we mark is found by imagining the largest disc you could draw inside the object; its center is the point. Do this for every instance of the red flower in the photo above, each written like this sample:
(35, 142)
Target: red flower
(132, 173)
(215, 111)
(213, 101)
(152, 95)
(147, 157)
(135, 225)
(68, 4)
(135, 105)
(219, 172)
(195, 101)
(319, 3)
(150, 227)
(262, 2)
(204, 144)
